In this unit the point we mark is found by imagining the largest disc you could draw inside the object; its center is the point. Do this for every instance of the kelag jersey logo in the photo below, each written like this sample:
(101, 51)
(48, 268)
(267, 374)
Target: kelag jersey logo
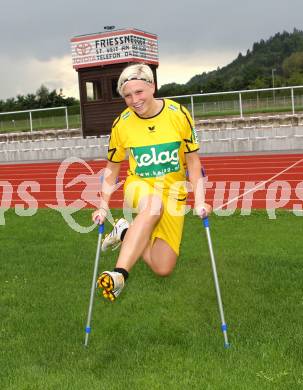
(157, 160)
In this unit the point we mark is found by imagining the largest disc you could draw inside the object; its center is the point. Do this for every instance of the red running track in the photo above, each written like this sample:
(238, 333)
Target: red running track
(261, 181)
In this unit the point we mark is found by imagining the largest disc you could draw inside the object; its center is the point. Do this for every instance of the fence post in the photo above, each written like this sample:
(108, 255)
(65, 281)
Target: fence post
(192, 107)
(292, 101)
(31, 120)
(66, 118)
(240, 105)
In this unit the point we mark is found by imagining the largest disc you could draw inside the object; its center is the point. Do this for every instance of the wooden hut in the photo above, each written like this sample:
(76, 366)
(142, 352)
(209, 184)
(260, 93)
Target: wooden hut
(99, 59)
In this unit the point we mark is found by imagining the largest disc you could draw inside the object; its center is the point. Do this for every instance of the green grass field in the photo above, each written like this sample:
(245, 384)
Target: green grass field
(160, 333)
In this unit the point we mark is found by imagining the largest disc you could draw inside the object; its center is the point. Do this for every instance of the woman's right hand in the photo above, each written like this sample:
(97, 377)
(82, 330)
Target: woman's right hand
(99, 216)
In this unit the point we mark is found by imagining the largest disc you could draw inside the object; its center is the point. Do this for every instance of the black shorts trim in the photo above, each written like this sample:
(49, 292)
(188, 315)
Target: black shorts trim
(181, 199)
(191, 151)
(115, 162)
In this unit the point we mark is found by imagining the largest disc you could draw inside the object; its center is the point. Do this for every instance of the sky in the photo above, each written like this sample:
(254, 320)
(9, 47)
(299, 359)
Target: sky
(194, 36)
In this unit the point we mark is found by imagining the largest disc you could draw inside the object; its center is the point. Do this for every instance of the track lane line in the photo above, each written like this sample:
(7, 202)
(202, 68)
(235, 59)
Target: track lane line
(259, 185)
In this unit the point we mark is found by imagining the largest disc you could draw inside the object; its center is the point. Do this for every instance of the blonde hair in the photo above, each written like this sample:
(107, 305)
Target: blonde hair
(135, 72)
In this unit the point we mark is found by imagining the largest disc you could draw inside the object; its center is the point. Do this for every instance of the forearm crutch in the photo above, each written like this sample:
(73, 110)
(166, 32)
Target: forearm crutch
(92, 292)
(205, 222)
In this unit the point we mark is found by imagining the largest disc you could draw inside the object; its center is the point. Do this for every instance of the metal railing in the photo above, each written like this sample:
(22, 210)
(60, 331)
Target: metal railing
(36, 110)
(239, 105)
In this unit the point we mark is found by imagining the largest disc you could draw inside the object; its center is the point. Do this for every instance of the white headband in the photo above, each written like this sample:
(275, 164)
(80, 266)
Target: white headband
(135, 78)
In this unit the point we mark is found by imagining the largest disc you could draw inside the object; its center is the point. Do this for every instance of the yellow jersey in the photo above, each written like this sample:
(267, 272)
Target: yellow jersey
(156, 145)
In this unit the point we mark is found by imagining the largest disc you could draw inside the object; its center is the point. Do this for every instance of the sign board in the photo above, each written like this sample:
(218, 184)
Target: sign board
(130, 45)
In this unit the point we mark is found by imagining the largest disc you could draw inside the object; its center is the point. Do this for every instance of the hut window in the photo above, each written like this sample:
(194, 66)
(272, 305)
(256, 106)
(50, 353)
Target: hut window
(115, 94)
(93, 90)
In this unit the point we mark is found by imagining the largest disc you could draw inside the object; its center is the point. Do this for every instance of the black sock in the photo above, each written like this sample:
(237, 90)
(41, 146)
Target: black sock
(123, 272)
(123, 234)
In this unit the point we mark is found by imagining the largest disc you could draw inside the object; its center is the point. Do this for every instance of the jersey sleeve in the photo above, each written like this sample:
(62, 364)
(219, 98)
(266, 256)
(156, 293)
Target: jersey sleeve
(189, 133)
(116, 151)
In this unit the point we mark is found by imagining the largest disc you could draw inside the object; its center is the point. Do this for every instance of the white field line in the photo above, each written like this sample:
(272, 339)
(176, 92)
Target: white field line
(262, 183)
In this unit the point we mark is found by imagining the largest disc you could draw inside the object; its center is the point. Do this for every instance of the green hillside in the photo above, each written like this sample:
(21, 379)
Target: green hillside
(281, 55)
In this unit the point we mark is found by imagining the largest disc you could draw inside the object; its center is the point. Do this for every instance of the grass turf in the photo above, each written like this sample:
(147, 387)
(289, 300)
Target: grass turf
(160, 333)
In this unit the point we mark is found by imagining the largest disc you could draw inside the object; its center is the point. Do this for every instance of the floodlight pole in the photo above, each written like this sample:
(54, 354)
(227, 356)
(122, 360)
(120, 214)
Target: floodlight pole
(192, 107)
(273, 84)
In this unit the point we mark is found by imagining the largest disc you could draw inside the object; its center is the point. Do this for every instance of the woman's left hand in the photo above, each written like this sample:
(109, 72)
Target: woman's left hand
(203, 210)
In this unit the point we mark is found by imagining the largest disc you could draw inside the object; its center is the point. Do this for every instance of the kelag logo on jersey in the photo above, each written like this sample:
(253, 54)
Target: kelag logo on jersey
(157, 160)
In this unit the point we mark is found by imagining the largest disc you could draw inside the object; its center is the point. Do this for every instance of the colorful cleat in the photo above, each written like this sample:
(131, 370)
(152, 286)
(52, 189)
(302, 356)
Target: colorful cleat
(112, 284)
(113, 239)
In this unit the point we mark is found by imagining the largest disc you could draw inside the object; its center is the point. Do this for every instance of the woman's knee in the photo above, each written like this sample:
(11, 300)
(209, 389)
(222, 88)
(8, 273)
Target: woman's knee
(163, 269)
(162, 258)
(163, 272)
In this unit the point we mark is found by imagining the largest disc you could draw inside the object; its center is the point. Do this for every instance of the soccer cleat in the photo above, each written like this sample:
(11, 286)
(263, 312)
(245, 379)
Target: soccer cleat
(112, 284)
(113, 239)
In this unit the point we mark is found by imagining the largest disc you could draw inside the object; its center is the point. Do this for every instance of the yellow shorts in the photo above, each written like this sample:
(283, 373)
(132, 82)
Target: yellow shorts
(170, 226)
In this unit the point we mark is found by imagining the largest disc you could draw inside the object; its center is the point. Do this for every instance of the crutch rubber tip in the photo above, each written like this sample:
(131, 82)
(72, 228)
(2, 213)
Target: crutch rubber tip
(87, 329)
(226, 345)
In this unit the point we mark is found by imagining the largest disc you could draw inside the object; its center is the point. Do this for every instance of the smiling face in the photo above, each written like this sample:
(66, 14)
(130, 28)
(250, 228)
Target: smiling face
(139, 96)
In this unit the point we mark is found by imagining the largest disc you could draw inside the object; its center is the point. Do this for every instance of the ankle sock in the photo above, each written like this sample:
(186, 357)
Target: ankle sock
(123, 234)
(123, 272)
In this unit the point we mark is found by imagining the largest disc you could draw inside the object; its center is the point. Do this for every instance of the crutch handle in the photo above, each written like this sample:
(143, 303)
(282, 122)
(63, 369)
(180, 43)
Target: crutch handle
(205, 222)
(101, 228)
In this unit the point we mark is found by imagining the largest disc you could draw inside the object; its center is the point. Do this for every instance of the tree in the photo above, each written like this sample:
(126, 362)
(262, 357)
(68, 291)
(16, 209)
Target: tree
(293, 64)
(295, 79)
(258, 83)
(10, 104)
(43, 97)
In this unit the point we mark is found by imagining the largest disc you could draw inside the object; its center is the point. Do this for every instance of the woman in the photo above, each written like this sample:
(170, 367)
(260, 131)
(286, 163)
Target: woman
(162, 145)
